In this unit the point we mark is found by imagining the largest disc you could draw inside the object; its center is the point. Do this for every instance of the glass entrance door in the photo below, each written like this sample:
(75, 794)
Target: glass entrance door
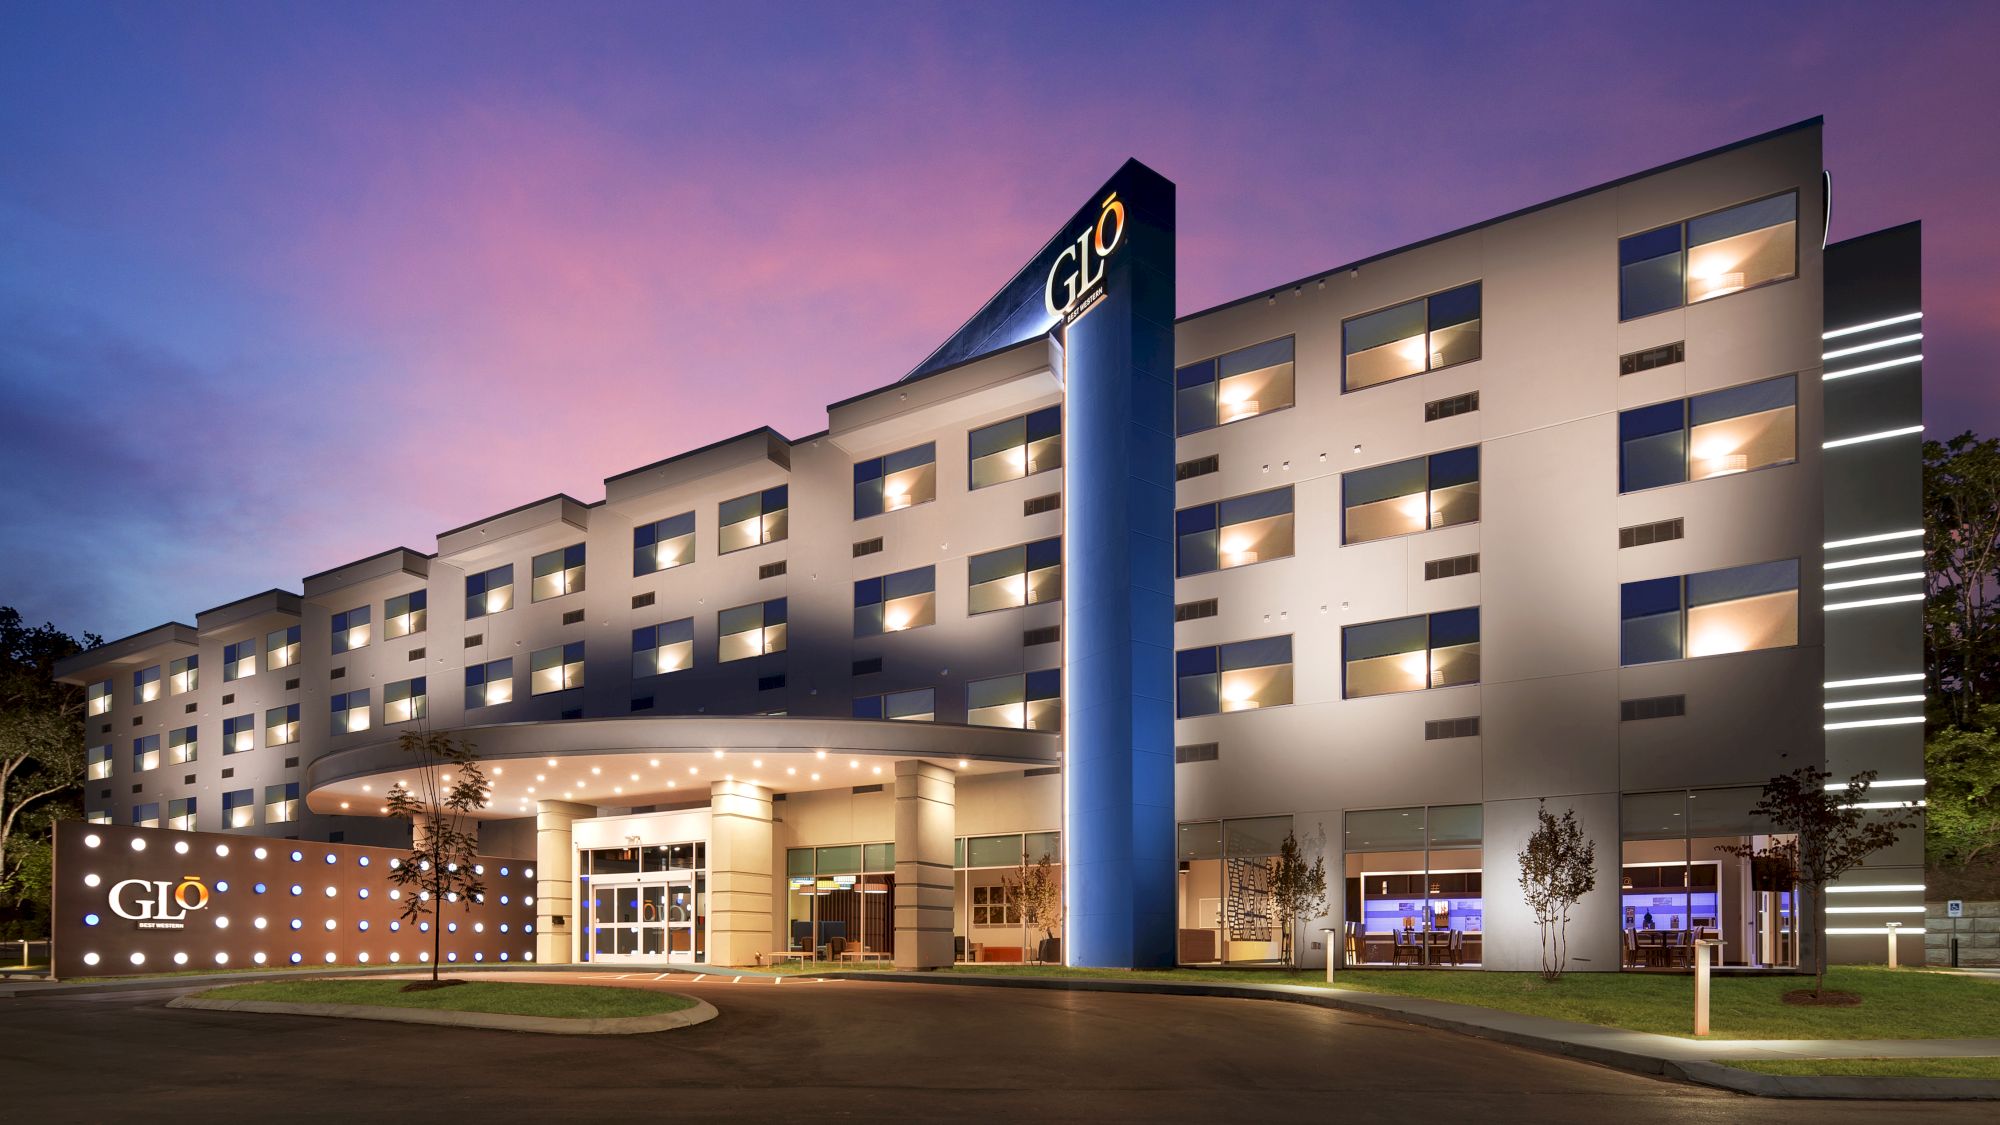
(644, 904)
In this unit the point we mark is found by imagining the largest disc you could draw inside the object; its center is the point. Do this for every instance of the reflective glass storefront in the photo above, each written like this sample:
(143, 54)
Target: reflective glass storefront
(1415, 887)
(841, 902)
(644, 903)
(990, 924)
(1682, 880)
(1228, 913)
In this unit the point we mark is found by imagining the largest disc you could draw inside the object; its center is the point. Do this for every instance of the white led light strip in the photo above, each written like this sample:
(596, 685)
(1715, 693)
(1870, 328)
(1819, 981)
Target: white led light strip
(1865, 368)
(1876, 346)
(1857, 439)
(1851, 583)
(1896, 722)
(1866, 602)
(1904, 888)
(1900, 556)
(1874, 910)
(1867, 539)
(1900, 783)
(1853, 328)
(1880, 701)
(1871, 681)
(1913, 804)
(1839, 931)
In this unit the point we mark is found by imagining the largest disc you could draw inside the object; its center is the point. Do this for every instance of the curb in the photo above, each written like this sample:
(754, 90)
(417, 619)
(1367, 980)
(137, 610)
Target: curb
(1445, 1018)
(20, 991)
(702, 1012)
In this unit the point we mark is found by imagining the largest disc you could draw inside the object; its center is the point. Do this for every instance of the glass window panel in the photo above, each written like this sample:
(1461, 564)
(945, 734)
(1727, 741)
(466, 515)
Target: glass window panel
(843, 860)
(994, 851)
(1743, 608)
(1036, 845)
(1255, 837)
(1386, 500)
(1195, 408)
(913, 706)
(1387, 656)
(1653, 816)
(878, 857)
(1385, 830)
(1743, 428)
(799, 862)
(1385, 345)
(1200, 841)
(1454, 324)
(1744, 246)
(1457, 826)
(1651, 626)
(1254, 380)
(1649, 272)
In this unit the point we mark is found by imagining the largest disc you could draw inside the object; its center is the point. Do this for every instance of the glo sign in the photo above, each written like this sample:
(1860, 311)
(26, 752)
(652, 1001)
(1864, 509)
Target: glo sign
(1077, 274)
(158, 904)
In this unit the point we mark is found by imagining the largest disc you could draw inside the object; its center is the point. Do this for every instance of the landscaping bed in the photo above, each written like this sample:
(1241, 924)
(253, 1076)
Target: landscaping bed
(559, 1001)
(1872, 1068)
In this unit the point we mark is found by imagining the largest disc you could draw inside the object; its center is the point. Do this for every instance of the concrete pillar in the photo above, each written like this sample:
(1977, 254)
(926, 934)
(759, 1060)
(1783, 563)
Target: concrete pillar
(555, 879)
(926, 822)
(739, 873)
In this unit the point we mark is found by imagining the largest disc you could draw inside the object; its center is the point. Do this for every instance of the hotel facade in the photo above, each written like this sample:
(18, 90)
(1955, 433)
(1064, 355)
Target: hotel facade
(1608, 505)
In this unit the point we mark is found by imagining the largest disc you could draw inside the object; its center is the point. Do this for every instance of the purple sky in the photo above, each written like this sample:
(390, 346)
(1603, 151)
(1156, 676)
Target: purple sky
(285, 285)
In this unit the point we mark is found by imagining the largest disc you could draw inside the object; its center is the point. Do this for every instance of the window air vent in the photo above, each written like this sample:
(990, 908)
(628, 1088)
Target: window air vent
(771, 683)
(188, 780)
(1451, 407)
(1195, 611)
(1045, 771)
(190, 708)
(1646, 360)
(228, 771)
(416, 654)
(291, 763)
(138, 720)
(105, 729)
(572, 713)
(860, 789)
(573, 617)
(868, 667)
(771, 570)
(1198, 752)
(138, 789)
(1640, 535)
(339, 673)
(1199, 467)
(868, 547)
(1035, 506)
(1046, 635)
(1656, 707)
(1451, 567)
(291, 685)
(641, 601)
(231, 697)
(643, 703)
(1467, 727)
(475, 640)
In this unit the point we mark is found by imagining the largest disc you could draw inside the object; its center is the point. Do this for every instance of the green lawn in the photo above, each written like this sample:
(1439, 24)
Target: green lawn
(560, 1000)
(1898, 1004)
(1873, 1068)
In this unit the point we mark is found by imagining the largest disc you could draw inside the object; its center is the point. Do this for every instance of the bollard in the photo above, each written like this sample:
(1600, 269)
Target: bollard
(1332, 954)
(1954, 953)
(1701, 955)
(1892, 927)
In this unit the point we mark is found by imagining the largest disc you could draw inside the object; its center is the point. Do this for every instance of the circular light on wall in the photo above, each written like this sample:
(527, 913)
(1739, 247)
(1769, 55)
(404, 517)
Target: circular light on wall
(138, 845)
(479, 927)
(394, 864)
(329, 957)
(222, 958)
(503, 956)
(530, 872)
(451, 867)
(138, 958)
(503, 871)
(527, 957)
(394, 895)
(363, 892)
(90, 919)
(451, 896)
(453, 956)
(260, 853)
(91, 880)
(330, 924)
(361, 957)
(479, 957)
(332, 858)
(259, 888)
(222, 850)
(527, 900)
(297, 889)
(91, 841)
(503, 927)
(364, 861)
(425, 956)
(527, 929)
(258, 922)
(423, 896)
(180, 958)
(424, 866)
(222, 921)
(503, 900)
(257, 957)
(423, 927)
(222, 885)
(297, 957)
(180, 847)
(363, 924)
(479, 869)
(296, 923)
(297, 856)
(90, 958)
(451, 927)
(332, 891)
(394, 926)
(395, 957)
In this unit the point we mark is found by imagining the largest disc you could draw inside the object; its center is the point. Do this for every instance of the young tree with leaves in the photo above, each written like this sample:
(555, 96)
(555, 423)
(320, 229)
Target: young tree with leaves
(1962, 768)
(1035, 890)
(440, 869)
(1829, 834)
(41, 750)
(1558, 868)
(1298, 888)
(1962, 575)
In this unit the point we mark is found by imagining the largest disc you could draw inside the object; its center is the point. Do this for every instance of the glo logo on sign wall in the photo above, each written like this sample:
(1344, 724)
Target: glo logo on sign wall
(1079, 269)
(158, 904)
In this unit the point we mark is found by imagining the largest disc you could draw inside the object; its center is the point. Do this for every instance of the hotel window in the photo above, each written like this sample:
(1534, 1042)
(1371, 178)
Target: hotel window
(97, 698)
(350, 630)
(281, 648)
(146, 684)
(1235, 532)
(1230, 388)
(184, 675)
(145, 753)
(183, 745)
(489, 591)
(281, 803)
(406, 700)
(98, 818)
(659, 649)
(1019, 447)
(1412, 653)
(895, 602)
(281, 725)
(1734, 610)
(405, 614)
(99, 758)
(748, 521)
(489, 683)
(556, 669)
(557, 573)
(239, 808)
(757, 629)
(1015, 576)
(1234, 677)
(180, 814)
(1410, 496)
(663, 544)
(146, 815)
(1712, 435)
(239, 661)
(913, 706)
(899, 480)
(1712, 256)
(239, 735)
(350, 711)
(1414, 337)
(1030, 701)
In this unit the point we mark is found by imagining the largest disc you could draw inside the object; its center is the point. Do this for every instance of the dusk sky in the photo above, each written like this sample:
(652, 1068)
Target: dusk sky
(285, 285)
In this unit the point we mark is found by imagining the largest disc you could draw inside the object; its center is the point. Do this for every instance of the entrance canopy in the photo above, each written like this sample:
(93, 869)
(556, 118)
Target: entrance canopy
(637, 762)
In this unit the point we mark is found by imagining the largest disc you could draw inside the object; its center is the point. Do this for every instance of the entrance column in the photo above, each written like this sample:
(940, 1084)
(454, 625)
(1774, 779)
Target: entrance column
(555, 878)
(739, 872)
(926, 824)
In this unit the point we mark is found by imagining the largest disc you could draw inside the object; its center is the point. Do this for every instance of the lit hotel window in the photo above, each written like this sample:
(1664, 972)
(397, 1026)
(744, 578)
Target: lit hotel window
(97, 698)
(1019, 447)
(183, 745)
(556, 669)
(1031, 701)
(281, 725)
(1414, 337)
(239, 735)
(489, 683)
(1712, 435)
(239, 661)
(1734, 610)
(489, 591)
(146, 815)
(557, 573)
(180, 814)
(757, 629)
(895, 602)
(239, 808)
(899, 480)
(281, 803)
(1725, 252)
(146, 684)
(281, 648)
(663, 545)
(750, 520)
(183, 675)
(99, 758)
(1014, 576)
(1234, 677)
(1410, 496)
(98, 818)
(145, 753)
(1412, 653)
(918, 706)
(350, 630)
(1236, 532)
(1230, 388)
(405, 701)
(405, 614)
(350, 711)
(658, 649)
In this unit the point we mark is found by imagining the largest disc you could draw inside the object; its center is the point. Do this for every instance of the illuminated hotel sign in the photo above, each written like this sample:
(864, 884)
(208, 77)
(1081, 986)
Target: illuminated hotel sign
(158, 904)
(1078, 270)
